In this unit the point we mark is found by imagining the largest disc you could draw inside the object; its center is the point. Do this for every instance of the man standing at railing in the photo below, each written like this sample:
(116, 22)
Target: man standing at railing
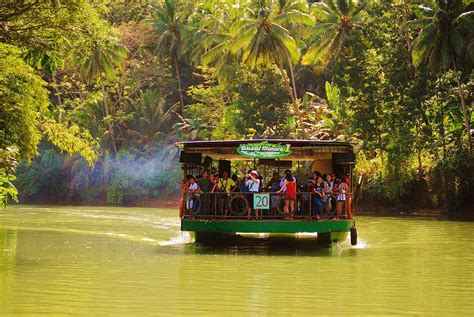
(274, 186)
(205, 185)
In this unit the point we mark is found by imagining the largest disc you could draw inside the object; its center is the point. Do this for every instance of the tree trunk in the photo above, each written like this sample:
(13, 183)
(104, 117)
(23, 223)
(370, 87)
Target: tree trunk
(463, 105)
(292, 95)
(292, 79)
(107, 113)
(180, 86)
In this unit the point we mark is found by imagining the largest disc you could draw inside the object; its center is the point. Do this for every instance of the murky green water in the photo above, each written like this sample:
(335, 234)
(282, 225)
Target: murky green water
(132, 261)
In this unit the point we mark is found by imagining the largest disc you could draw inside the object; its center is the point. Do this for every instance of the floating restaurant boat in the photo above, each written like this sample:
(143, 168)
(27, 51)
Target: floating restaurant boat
(216, 216)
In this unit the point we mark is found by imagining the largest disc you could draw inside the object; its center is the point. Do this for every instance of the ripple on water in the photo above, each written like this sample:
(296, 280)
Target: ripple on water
(120, 261)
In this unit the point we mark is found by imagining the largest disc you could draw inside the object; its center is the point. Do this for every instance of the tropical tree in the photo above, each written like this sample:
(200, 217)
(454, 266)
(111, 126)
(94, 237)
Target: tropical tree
(335, 23)
(443, 42)
(151, 118)
(100, 65)
(218, 30)
(264, 40)
(169, 22)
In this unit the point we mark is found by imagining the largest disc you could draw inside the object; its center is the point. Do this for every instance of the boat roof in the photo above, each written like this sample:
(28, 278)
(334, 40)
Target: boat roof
(301, 149)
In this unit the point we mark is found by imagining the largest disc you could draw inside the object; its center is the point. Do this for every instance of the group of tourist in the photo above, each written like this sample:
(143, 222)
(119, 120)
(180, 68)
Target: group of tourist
(323, 194)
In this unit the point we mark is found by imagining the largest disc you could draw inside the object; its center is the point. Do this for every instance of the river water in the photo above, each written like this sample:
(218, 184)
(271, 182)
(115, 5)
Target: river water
(135, 261)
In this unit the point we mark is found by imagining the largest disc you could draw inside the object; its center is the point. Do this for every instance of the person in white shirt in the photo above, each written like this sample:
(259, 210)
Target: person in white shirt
(253, 184)
(191, 197)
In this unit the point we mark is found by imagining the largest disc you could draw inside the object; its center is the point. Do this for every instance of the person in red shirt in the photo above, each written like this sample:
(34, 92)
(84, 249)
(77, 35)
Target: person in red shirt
(290, 196)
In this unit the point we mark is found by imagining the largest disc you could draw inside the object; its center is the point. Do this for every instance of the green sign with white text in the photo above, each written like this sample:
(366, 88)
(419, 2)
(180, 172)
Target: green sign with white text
(264, 150)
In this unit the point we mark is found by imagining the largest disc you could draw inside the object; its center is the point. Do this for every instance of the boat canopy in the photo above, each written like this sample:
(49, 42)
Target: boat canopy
(286, 149)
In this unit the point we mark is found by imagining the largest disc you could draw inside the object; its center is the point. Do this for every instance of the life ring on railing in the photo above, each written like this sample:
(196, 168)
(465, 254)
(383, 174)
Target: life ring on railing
(233, 201)
(181, 208)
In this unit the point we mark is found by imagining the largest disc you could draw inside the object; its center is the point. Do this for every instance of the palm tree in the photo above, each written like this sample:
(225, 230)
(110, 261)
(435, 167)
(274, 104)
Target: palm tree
(218, 32)
(100, 65)
(337, 20)
(443, 42)
(151, 120)
(168, 21)
(263, 40)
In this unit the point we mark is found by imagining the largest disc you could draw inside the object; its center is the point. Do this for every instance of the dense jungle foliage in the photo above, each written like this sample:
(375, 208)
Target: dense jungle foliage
(94, 94)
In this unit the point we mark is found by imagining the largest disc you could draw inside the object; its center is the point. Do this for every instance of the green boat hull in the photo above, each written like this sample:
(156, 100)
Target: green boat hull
(327, 230)
(266, 226)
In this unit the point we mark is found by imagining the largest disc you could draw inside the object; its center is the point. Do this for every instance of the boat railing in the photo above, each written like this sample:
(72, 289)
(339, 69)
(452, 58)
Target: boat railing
(264, 206)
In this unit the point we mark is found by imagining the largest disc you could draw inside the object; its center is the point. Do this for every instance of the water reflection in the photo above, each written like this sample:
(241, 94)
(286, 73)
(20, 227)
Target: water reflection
(118, 261)
(8, 247)
(271, 247)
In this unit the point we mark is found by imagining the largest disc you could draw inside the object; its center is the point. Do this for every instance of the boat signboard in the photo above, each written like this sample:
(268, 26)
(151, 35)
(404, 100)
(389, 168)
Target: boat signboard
(264, 150)
(261, 201)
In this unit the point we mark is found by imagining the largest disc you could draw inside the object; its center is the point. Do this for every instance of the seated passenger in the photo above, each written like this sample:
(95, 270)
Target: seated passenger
(289, 186)
(253, 184)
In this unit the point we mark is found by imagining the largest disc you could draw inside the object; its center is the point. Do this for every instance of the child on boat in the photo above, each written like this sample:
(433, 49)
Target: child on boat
(342, 189)
(191, 194)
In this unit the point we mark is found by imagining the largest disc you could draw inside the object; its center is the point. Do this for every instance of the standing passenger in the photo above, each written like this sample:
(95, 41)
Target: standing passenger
(191, 195)
(225, 185)
(205, 187)
(343, 188)
(318, 196)
(274, 188)
(327, 194)
(253, 184)
(290, 197)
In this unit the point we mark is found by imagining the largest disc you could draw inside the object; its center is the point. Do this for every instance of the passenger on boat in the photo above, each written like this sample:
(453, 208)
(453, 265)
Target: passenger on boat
(289, 186)
(214, 179)
(191, 194)
(205, 187)
(253, 184)
(274, 186)
(225, 185)
(334, 194)
(306, 197)
(317, 197)
(342, 189)
(284, 179)
(212, 197)
(316, 174)
(236, 181)
(243, 183)
(327, 194)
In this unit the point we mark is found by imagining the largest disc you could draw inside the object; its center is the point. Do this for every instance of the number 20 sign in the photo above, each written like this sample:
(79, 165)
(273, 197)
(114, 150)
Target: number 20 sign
(261, 201)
